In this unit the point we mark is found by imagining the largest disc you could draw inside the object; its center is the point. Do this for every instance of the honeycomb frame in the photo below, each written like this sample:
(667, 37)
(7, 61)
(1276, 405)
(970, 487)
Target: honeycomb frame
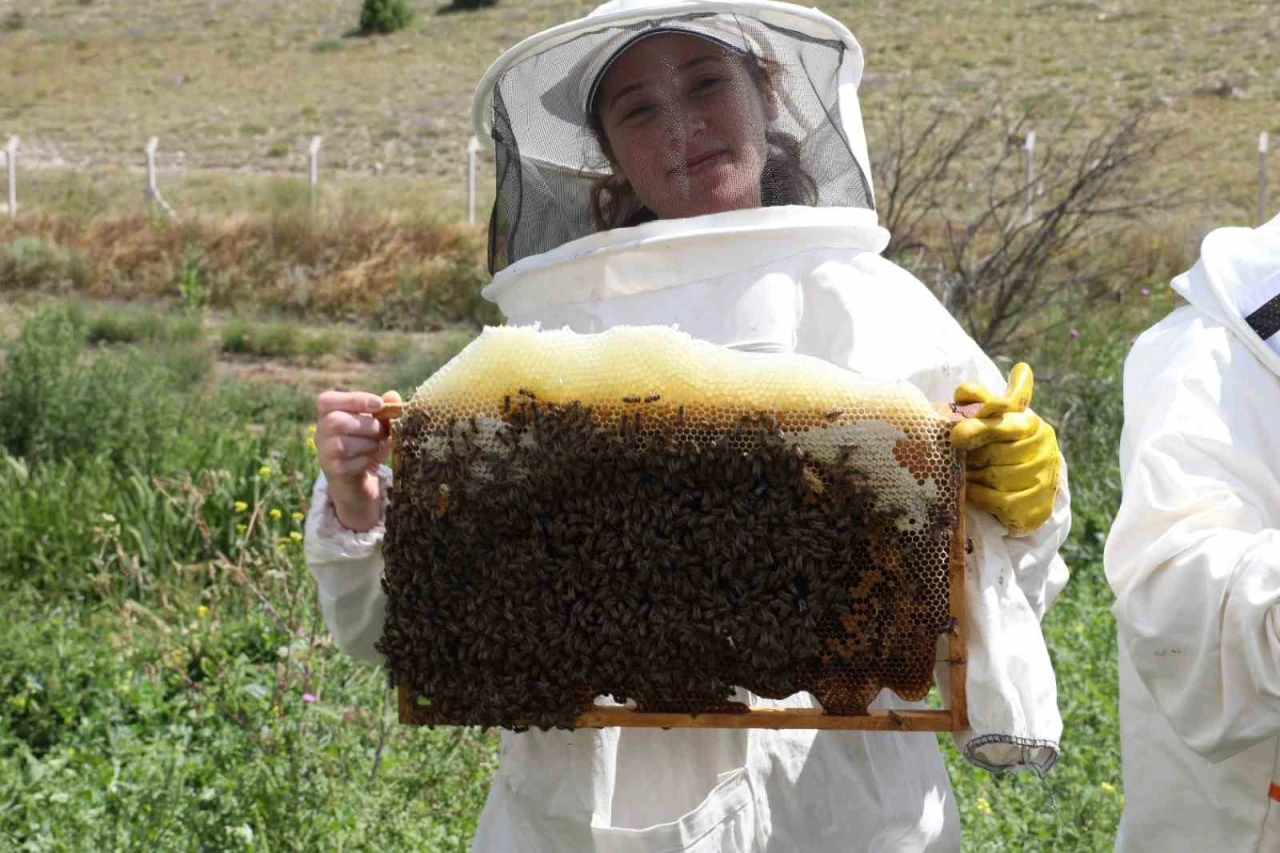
(651, 408)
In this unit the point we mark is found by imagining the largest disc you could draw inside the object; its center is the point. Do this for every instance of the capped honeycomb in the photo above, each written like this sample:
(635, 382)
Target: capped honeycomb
(641, 515)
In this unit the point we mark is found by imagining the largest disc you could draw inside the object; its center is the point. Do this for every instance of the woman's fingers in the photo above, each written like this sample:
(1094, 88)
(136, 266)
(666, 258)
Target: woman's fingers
(972, 433)
(349, 446)
(972, 392)
(1010, 478)
(350, 440)
(1016, 397)
(352, 467)
(345, 423)
(355, 402)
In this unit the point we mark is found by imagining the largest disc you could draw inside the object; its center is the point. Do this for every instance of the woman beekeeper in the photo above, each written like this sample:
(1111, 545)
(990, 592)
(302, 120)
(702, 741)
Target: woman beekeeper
(1194, 559)
(703, 164)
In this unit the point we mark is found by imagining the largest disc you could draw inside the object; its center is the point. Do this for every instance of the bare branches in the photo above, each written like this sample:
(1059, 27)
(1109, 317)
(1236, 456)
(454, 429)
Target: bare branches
(1000, 253)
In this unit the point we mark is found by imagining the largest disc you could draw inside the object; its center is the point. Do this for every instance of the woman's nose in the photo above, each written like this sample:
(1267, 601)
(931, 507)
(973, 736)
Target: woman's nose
(685, 125)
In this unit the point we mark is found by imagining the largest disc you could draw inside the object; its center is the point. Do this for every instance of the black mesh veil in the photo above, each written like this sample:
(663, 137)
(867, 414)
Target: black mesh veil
(548, 157)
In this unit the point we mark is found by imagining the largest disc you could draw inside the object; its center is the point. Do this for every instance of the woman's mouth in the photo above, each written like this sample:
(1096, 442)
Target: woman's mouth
(705, 162)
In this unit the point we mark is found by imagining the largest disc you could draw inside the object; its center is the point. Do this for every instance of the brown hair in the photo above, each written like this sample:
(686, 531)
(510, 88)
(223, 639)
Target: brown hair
(614, 204)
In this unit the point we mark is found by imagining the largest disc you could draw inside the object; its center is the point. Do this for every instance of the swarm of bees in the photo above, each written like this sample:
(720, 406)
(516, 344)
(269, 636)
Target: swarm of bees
(540, 554)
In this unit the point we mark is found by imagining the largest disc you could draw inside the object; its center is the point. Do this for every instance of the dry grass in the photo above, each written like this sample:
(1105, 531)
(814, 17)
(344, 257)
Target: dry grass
(234, 84)
(385, 271)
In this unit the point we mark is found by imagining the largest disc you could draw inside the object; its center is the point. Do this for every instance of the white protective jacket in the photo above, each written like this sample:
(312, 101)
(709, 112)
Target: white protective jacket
(1194, 560)
(802, 280)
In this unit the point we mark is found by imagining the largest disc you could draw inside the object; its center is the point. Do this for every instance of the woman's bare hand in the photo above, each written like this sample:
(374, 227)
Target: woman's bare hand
(351, 444)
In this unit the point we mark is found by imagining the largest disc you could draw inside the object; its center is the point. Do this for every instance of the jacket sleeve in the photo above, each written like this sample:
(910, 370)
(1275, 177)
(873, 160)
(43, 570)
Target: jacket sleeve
(1010, 581)
(872, 316)
(1194, 554)
(348, 569)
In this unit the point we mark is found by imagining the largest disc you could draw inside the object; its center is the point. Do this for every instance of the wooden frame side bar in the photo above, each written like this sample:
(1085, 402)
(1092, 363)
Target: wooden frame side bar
(957, 670)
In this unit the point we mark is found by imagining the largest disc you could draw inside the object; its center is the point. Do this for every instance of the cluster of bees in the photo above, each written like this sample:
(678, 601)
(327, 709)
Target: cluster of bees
(547, 554)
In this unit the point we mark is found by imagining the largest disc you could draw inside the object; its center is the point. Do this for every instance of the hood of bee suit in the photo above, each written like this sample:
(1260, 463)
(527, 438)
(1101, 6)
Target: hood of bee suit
(1237, 282)
(533, 104)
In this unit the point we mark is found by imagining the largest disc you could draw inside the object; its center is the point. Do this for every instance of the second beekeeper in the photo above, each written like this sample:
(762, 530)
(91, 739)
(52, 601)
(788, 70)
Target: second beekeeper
(703, 164)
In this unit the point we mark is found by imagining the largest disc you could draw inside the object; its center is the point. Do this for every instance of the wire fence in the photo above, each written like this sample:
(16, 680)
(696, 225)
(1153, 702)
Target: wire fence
(474, 149)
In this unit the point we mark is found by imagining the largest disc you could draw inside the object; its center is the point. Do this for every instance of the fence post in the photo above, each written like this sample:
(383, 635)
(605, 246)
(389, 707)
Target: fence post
(473, 148)
(11, 158)
(316, 142)
(153, 191)
(1262, 178)
(1030, 149)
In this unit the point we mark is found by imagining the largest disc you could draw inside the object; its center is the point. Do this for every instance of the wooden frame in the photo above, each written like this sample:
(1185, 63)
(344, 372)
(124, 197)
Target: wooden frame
(952, 718)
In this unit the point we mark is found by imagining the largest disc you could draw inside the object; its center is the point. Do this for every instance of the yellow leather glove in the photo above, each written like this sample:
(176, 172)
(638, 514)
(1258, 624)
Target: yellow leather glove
(1012, 457)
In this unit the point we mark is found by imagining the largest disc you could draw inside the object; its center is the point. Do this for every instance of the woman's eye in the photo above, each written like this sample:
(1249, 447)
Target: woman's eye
(707, 84)
(636, 112)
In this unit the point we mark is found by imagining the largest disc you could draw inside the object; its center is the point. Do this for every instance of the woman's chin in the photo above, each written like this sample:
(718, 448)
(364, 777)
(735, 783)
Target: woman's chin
(716, 199)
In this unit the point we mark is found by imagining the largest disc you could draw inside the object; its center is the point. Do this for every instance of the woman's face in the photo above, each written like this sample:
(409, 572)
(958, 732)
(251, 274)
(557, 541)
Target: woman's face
(685, 125)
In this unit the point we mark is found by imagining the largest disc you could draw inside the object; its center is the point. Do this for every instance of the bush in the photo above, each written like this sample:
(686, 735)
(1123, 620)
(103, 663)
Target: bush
(323, 46)
(35, 263)
(56, 404)
(384, 16)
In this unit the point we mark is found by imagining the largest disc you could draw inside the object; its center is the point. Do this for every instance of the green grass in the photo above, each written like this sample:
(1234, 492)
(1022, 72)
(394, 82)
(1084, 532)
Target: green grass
(159, 635)
(165, 678)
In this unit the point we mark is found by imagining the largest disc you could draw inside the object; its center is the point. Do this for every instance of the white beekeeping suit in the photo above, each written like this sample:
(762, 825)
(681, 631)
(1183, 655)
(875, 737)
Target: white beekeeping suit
(780, 278)
(1194, 559)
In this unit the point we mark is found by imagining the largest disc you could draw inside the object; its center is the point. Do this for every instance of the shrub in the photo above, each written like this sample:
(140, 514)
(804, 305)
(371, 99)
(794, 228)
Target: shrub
(322, 46)
(365, 347)
(116, 406)
(36, 263)
(384, 16)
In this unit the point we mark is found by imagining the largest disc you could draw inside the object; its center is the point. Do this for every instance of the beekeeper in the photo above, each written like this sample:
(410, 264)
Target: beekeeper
(703, 164)
(1194, 559)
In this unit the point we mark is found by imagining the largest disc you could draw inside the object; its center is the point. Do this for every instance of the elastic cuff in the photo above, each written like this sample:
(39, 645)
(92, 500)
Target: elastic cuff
(327, 539)
(1004, 753)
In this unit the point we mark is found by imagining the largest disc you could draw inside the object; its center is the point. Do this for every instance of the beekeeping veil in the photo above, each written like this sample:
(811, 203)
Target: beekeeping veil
(536, 99)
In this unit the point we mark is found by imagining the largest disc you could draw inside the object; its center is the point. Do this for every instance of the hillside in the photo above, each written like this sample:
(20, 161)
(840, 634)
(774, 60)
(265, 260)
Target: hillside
(241, 85)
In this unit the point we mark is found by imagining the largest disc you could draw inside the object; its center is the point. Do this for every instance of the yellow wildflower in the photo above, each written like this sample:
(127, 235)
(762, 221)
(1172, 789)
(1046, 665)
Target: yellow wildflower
(241, 506)
(295, 536)
(275, 514)
(982, 805)
(1108, 787)
(311, 430)
(297, 516)
(241, 528)
(311, 444)
(264, 471)
(202, 611)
